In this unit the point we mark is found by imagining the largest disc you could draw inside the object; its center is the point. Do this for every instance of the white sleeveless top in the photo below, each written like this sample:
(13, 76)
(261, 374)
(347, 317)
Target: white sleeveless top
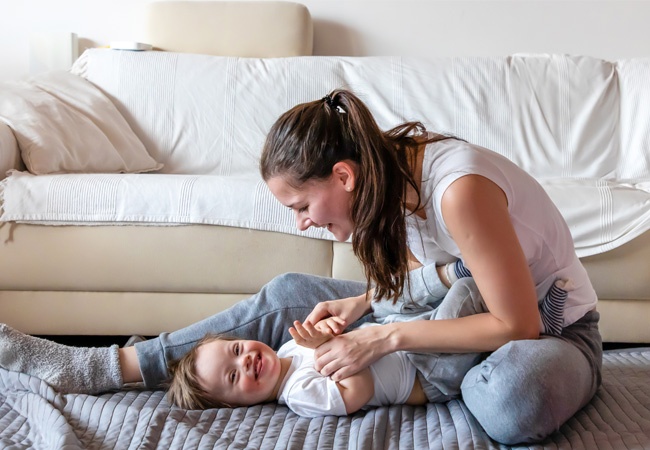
(542, 231)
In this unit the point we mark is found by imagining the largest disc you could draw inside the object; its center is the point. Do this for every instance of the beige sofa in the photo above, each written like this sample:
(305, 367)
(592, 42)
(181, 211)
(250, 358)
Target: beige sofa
(131, 278)
(121, 280)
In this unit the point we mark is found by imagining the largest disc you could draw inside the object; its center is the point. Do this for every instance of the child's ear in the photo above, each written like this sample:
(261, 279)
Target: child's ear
(345, 172)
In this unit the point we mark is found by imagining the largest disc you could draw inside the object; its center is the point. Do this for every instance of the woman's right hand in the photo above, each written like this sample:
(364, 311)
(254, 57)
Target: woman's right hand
(348, 353)
(349, 309)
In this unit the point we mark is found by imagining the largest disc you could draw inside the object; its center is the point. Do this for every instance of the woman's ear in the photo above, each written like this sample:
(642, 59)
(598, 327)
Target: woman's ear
(344, 172)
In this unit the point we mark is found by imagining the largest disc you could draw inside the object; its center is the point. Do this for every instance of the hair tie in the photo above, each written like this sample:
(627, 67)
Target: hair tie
(330, 102)
(328, 99)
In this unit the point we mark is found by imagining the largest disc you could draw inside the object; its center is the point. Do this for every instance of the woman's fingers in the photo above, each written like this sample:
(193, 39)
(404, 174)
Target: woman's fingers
(342, 373)
(330, 360)
(319, 313)
(337, 368)
(347, 309)
(322, 357)
(348, 353)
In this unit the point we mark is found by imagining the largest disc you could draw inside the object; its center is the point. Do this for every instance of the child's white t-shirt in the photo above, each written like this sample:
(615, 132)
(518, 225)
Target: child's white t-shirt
(310, 394)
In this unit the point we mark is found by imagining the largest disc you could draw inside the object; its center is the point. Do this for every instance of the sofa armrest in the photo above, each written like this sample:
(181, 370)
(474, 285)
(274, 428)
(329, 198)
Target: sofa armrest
(9, 151)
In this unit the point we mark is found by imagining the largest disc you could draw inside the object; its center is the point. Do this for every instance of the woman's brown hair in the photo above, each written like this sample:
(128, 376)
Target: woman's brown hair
(306, 142)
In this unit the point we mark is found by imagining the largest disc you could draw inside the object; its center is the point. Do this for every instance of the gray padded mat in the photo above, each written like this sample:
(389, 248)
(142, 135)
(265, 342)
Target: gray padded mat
(34, 416)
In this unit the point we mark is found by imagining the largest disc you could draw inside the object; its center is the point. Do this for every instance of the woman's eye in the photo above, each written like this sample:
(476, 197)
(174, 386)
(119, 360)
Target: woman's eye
(302, 210)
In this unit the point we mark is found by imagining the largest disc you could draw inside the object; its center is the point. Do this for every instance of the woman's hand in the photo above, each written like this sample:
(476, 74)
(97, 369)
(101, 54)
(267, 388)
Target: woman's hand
(348, 310)
(347, 354)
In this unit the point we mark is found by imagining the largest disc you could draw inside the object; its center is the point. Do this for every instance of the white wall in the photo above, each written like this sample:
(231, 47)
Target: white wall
(609, 29)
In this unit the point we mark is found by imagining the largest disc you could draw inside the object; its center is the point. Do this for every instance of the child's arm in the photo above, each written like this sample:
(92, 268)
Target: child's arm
(356, 390)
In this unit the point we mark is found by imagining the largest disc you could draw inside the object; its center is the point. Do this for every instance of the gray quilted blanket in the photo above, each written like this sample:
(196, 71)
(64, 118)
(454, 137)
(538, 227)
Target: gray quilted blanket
(34, 416)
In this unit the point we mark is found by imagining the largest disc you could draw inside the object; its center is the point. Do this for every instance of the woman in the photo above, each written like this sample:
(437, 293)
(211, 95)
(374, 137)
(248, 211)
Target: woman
(414, 204)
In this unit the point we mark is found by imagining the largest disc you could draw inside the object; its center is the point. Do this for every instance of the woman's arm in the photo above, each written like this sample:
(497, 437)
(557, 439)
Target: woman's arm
(475, 211)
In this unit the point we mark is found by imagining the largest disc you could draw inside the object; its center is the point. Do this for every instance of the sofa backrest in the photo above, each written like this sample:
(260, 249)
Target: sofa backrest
(554, 115)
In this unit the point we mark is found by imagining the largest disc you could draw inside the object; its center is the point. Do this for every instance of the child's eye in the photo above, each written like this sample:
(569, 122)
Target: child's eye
(233, 377)
(302, 210)
(236, 349)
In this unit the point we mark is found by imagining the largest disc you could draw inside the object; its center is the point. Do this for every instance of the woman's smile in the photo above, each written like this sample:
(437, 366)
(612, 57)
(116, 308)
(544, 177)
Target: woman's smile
(319, 204)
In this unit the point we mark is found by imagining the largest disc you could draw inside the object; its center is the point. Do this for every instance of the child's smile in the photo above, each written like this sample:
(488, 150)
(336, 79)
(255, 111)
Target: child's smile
(238, 372)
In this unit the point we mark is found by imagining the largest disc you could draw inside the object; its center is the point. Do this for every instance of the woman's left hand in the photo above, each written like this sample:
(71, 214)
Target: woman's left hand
(351, 352)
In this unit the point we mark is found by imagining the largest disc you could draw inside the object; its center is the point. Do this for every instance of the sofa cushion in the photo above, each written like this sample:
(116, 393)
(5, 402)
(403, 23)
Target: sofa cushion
(602, 214)
(163, 199)
(65, 124)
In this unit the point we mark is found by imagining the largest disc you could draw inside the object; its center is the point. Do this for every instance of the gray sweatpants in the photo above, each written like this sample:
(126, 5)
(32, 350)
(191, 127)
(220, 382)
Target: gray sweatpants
(522, 392)
(440, 374)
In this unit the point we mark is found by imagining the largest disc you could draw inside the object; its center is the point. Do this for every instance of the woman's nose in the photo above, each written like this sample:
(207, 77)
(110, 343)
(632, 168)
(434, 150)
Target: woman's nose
(303, 222)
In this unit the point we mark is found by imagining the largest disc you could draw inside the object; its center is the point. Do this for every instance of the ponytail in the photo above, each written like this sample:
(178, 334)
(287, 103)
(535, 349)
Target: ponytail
(309, 139)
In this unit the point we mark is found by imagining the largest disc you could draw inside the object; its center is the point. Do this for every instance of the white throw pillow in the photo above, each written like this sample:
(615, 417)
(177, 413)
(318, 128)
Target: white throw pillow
(9, 153)
(63, 124)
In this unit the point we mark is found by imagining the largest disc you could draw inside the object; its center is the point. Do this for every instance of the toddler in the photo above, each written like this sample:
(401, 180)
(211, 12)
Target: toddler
(222, 371)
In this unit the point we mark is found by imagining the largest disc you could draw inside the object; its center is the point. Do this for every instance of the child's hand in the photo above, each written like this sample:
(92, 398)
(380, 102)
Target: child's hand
(308, 335)
(331, 325)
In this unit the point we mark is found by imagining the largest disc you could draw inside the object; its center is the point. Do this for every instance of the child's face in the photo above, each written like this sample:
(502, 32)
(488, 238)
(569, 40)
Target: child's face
(322, 203)
(239, 373)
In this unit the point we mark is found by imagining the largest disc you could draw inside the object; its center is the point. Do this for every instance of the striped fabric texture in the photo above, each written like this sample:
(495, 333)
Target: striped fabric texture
(34, 416)
(551, 308)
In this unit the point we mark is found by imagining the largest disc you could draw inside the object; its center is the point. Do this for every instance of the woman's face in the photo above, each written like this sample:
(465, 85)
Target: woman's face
(239, 373)
(319, 203)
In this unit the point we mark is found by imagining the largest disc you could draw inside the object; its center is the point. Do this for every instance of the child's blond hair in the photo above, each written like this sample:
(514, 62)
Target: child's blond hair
(184, 389)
